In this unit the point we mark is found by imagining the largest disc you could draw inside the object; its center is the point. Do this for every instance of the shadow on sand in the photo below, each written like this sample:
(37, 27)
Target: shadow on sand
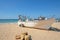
(54, 29)
(50, 29)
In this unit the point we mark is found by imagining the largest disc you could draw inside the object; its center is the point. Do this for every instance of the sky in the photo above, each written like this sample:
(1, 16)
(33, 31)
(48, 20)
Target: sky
(10, 9)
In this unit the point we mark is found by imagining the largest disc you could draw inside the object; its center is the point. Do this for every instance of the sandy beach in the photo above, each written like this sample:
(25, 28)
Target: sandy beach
(9, 31)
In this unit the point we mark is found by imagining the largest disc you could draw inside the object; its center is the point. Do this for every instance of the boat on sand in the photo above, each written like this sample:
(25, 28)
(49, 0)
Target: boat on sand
(38, 24)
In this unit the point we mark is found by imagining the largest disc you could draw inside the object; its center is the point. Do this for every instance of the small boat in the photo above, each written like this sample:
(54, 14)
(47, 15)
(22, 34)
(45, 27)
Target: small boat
(41, 23)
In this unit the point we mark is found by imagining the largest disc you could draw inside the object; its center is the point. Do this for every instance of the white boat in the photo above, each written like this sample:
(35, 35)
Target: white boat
(27, 23)
(39, 24)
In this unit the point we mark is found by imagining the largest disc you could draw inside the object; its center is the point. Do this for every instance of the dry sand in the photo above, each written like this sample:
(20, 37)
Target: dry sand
(9, 31)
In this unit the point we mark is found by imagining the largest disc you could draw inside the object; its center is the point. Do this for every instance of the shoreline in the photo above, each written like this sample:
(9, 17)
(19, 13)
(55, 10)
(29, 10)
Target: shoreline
(9, 23)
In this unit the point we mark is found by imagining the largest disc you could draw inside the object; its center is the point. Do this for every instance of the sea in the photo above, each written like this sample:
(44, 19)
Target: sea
(8, 20)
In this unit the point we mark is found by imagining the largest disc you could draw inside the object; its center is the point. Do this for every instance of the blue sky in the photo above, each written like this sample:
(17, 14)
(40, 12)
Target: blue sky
(10, 9)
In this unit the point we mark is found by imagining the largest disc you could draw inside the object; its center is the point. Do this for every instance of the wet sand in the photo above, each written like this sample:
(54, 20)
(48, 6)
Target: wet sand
(9, 31)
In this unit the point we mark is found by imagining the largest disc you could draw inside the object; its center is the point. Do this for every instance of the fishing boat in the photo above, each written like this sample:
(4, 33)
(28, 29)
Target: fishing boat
(40, 23)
